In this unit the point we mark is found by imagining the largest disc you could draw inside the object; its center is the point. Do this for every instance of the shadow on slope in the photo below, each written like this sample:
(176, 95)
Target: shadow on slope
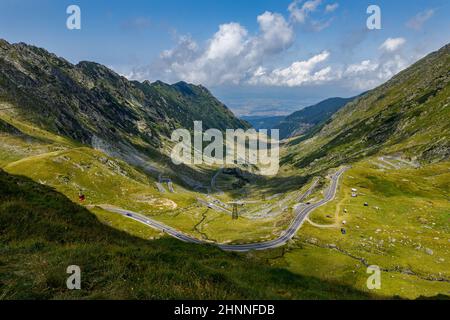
(42, 232)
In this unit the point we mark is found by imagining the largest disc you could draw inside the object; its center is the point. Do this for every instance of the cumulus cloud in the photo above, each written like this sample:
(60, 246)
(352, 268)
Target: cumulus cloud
(185, 50)
(276, 33)
(228, 42)
(419, 20)
(297, 74)
(234, 56)
(230, 56)
(363, 75)
(219, 62)
(331, 7)
(300, 12)
(372, 72)
(361, 68)
(392, 44)
(318, 26)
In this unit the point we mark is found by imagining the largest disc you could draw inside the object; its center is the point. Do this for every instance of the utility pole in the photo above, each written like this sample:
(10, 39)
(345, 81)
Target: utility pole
(235, 215)
(236, 204)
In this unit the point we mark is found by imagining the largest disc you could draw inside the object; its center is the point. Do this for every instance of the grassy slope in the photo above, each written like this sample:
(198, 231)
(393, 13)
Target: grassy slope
(301, 122)
(110, 185)
(42, 232)
(408, 236)
(71, 168)
(412, 219)
(104, 179)
(408, 114)
(109, 181)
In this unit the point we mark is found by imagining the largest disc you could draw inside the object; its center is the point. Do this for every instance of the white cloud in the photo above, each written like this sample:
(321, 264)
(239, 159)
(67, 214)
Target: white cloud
(301, 13)
(392, 44)
(364, 75)
(276, 34)
(231, 55)
(297, 74)
(331, 7)
(419, 20)
(234, 56)
(361, 68)
(228, 42)
(219, 62)
(391, 67)
(370, 73)
(318, 26)
(185, 49)
(169, 62)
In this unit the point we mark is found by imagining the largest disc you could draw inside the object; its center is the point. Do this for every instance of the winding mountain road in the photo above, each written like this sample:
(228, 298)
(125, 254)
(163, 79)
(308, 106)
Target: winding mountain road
(301, 213)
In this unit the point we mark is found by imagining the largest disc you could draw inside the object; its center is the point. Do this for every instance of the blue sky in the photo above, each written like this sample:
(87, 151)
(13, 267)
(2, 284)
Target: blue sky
(258, 56)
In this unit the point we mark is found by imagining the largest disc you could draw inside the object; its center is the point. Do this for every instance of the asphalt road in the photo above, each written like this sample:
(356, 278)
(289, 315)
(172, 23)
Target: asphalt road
(301, 213)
